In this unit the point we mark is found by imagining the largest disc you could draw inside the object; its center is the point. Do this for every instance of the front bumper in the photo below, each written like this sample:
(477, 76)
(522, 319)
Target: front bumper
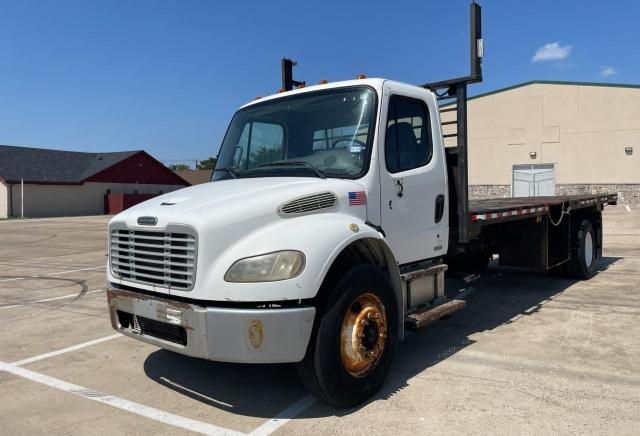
(214, 333)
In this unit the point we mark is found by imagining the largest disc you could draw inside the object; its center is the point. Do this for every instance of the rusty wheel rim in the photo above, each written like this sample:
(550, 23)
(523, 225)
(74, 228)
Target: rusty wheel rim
(363, 335)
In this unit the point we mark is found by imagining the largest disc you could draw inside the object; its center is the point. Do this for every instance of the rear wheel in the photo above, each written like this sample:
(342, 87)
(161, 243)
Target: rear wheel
(349, 356)
(583, 253)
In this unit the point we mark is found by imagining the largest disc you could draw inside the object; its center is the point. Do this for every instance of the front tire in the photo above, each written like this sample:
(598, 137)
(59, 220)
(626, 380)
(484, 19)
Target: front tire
(583, 253)
(349, 356)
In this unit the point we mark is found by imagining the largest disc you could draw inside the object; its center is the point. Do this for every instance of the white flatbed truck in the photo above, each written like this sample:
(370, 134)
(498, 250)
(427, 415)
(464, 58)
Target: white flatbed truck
(326, 231)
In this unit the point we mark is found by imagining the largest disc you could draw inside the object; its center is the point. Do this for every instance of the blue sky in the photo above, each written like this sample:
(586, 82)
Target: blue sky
(166, 76)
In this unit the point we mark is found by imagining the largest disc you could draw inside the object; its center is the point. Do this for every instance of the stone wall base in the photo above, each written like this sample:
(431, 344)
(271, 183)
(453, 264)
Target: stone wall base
(628, 193)
(479, 192)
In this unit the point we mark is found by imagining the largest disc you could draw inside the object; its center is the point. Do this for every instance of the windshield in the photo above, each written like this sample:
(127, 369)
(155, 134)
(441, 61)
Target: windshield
(319, 134)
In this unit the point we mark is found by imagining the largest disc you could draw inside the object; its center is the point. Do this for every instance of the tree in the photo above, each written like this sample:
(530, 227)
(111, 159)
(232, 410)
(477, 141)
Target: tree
(264, 155)
(207, 164)
(179, 167)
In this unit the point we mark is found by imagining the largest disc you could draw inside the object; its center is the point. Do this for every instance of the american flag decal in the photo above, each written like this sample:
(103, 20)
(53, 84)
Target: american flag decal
(358, 198)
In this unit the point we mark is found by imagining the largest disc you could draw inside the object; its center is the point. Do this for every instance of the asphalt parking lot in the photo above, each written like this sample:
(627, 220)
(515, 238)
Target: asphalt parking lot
(531, 353)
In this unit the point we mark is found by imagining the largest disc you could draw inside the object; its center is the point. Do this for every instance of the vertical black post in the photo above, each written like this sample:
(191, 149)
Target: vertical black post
(462, 178)
(459, 86)
(287, 74)
(476, 42)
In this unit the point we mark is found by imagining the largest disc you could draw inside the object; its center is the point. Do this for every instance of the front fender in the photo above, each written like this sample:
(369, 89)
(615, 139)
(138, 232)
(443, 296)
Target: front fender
(321, 237)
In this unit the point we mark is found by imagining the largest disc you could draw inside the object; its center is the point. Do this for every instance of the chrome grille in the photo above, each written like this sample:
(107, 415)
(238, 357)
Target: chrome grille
(310, 203)
(160, 258)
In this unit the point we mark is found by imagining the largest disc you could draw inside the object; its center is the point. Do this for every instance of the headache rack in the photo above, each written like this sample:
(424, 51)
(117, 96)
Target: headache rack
(163, 258)
(452, 95)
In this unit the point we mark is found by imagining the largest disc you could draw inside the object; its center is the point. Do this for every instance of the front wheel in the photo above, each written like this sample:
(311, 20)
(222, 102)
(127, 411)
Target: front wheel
(349, 356)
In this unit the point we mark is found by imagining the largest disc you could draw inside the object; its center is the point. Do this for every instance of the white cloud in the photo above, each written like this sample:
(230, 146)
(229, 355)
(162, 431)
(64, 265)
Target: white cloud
(552, 51)
(608, 71)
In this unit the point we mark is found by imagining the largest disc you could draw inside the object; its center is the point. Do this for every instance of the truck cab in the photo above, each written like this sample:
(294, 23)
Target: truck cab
(320, 196)
(382, 135)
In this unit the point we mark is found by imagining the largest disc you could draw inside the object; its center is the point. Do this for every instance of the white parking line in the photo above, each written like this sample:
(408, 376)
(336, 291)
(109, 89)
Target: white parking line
(285, 416)
(119, 403)
(59, 273)
(628, 208)
(46, 300)
(66, 350)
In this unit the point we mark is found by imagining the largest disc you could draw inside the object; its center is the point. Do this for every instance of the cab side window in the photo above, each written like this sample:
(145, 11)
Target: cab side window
(408, 142)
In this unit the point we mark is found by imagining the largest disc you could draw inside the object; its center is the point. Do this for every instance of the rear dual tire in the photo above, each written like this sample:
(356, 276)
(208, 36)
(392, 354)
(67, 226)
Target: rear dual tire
(583, 252)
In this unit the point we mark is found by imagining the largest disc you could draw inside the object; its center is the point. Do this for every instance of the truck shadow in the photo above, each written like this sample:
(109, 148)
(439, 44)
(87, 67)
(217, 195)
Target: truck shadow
(501, 296)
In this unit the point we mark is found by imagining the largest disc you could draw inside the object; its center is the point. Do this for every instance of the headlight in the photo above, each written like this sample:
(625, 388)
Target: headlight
(271, 267)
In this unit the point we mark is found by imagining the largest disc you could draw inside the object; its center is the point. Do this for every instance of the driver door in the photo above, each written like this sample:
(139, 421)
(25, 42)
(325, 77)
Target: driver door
(413, 176)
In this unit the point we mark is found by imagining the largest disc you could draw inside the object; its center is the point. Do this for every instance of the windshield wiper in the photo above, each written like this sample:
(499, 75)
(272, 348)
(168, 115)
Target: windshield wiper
(230, 171)
(296, 163)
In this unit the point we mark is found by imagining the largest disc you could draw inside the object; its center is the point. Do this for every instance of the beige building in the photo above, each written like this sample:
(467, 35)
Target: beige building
(546, 138)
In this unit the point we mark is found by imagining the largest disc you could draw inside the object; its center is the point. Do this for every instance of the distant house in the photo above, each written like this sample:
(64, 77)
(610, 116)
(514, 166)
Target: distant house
(195, 177)
(65, 183)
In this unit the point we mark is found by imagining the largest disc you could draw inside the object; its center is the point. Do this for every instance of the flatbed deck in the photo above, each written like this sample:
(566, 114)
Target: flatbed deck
(501, 209)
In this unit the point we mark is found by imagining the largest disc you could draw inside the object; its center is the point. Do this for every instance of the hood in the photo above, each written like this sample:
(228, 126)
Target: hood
(234, 200)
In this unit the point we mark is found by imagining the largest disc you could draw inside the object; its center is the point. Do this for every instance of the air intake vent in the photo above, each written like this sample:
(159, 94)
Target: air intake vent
(309, 204)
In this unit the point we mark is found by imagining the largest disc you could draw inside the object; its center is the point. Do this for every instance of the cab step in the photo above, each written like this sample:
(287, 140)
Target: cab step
(417, 321)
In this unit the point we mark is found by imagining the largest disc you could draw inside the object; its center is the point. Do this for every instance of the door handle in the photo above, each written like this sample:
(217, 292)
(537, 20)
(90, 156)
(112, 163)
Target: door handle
(399, 188)
(439, 212)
